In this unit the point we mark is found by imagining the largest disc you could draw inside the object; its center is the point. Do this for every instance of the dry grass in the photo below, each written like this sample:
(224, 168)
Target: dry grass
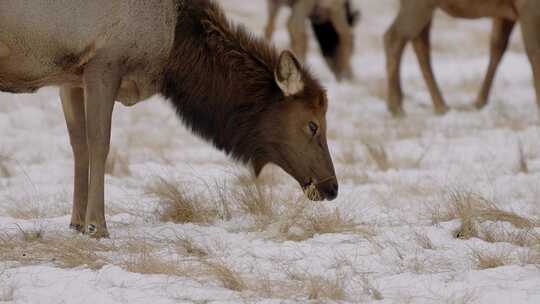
(7, 287)
(497, 234)
(146, 261)
(484, 260)
(370, 290)
(227, 276)
(253, 198)
(472, 209)
(423, 241)
(186, 246)
(147, 258)
(302, 223)
(7, 292)
(316, 287)
(179, 205)
(319, 288)
(26, 208)
(463, 297)
(191, 260)
(32, 206)
(156, 256)
(63, 252)
(530, 257)
(30, 235)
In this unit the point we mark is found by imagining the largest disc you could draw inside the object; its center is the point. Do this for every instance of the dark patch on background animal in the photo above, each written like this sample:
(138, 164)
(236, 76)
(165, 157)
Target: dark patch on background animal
(325, 31)
(332, 22)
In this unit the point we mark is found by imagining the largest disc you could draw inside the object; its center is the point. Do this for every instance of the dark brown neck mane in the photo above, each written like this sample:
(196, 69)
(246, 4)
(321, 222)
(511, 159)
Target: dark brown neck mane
(220, 80)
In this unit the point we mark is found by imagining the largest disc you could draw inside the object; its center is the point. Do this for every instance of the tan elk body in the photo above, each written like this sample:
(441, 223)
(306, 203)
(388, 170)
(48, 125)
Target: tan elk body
(413, 23)
(234, 90)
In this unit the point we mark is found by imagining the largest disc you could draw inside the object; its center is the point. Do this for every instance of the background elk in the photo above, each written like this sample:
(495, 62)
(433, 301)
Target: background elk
(332, 22)
(413, 22)
(235, 91)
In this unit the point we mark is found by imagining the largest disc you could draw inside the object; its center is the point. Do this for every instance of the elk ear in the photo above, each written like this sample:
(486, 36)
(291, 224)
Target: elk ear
(288, 74)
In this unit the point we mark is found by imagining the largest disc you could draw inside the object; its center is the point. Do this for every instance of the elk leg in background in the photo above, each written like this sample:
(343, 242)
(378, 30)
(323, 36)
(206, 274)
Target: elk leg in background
(422, 48)
(273, 9)
(530, 26)
(412, 18)
(296, 25)
(500, 35)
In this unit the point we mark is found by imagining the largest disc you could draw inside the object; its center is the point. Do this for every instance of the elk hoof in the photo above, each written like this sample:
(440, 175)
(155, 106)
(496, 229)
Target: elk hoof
(397, 112)
(480, 104)
(96, 232)
(441, 110)
(76, 227)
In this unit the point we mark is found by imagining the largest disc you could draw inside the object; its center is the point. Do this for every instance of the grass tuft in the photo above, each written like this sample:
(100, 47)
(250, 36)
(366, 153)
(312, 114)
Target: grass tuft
(30, 235)
(320, 288)
(253, 198)
(226, 275)
(178, 205)
(63, 252)
(486, 260)
(185, 245)
(472, 209)
(7, 293)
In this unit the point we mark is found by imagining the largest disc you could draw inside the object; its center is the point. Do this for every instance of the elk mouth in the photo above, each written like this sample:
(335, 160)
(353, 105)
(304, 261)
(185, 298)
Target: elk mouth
(326, 189)
(311, 191)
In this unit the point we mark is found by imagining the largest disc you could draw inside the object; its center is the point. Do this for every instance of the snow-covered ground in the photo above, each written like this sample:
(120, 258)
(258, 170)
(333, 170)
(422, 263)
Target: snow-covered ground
(431, 209)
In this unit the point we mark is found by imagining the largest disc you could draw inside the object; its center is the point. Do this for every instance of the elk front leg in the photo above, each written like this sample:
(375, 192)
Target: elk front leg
(530, 27)
(297, 27)
(422, 49)
(101, 81)
(273, 9)
(412, 18)
(345, 48)
(502, 28)
(73, 106)
(394, 44)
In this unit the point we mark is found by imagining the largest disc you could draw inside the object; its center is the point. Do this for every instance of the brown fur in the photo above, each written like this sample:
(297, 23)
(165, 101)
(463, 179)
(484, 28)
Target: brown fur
(226, 92)
(225, 86)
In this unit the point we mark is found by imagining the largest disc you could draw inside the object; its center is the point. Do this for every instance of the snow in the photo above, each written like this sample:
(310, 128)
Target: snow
(408, 258)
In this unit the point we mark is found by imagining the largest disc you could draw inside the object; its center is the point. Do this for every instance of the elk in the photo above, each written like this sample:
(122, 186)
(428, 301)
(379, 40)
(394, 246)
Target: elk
(332, 22)
(413, 23)
(255, 104)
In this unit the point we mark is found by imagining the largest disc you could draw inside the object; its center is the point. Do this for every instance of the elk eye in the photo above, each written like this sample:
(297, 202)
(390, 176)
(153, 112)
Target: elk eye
(313, 128)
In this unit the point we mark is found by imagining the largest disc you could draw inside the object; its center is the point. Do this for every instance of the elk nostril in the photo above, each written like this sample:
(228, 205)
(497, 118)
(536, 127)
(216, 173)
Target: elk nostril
(332, 191)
